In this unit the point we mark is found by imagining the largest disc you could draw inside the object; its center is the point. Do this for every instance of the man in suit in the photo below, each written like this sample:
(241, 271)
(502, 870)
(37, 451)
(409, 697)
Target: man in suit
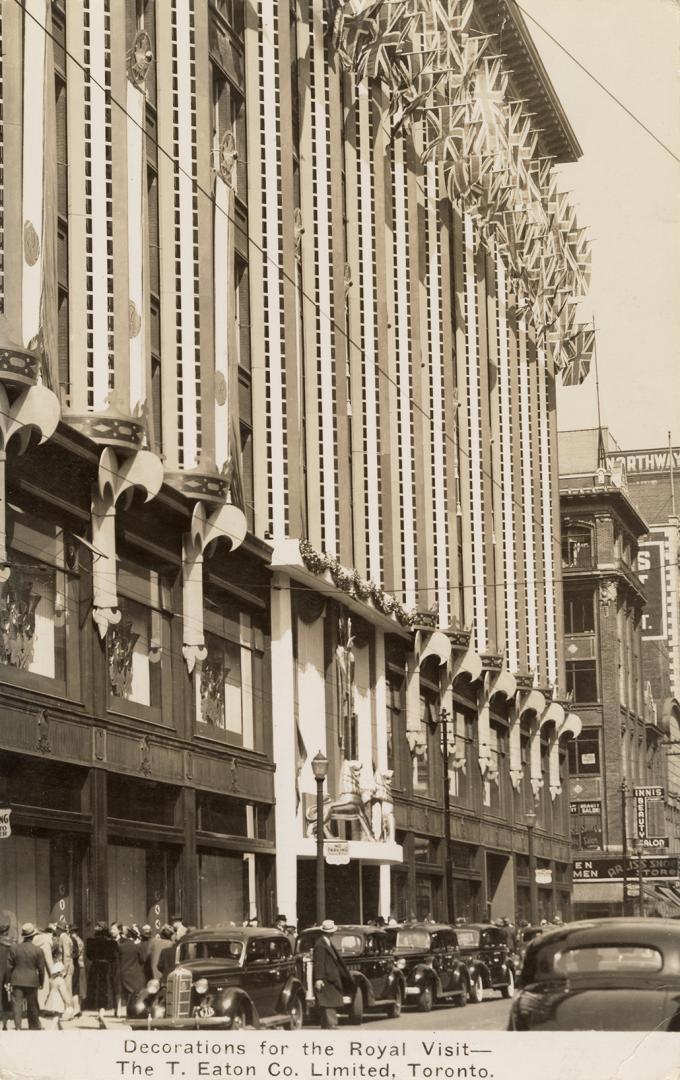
(131, 964)
(27, 970)
(331, 975)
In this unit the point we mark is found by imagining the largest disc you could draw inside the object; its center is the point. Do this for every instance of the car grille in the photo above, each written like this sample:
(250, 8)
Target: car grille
(178, 994)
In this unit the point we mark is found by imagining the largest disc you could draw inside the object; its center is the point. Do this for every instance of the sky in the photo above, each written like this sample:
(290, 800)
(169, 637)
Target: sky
(626, 189)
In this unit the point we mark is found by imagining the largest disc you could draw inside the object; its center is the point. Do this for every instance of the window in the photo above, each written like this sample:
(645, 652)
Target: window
(395, 712)
(577, 548)
(218, 689)
(421, 762)
(586, 825)
(584, 753)
(492, 780)
(582, 679)
(579, 612)
(229, 116)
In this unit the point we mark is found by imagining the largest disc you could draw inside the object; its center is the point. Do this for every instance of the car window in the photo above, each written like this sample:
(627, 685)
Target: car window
(609, 958)
(447, 939)
(306, 941)
(468, 939)
(257, 951)
(492, 937)
(229, 951)
(278, 949)
(410, 939)
(348, 944)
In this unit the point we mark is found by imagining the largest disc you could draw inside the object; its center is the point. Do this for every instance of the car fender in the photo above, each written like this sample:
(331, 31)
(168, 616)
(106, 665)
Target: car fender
(424, 973)
(397, 979)
(292, 989)
(231, 999)
(477, 968)
(144, 1003)
(361, 982)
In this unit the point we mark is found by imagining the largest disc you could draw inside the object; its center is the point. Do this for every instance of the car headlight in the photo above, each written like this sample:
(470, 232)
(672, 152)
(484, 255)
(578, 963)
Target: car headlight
(153, 986)
(201, 986)
(401, 963)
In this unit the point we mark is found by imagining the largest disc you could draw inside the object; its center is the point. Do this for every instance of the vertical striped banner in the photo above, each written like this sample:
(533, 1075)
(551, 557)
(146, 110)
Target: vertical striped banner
(135, 192)
(370, 374)
(224, 313)
(508, 493)
(273, 285)
(402, 320)
(186, 233)
(319, 102)
(548, 538)
(33, 165)
(526, 455)
(437, 424)
(477, 490)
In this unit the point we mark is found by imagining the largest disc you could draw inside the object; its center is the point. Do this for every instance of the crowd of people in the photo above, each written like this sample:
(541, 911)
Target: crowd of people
(50, 974)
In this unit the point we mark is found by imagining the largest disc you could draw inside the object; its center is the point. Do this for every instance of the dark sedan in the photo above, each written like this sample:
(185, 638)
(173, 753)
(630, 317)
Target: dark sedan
(488, 951)
(227, 978)
(602, 975)
(429, 958)
(369, 955)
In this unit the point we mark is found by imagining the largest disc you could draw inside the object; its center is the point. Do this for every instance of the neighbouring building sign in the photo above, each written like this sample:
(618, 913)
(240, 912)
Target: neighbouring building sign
(660, 868)
(652, 574)
(646, 461)
(586, 825)
(5, 827)
(336, 852)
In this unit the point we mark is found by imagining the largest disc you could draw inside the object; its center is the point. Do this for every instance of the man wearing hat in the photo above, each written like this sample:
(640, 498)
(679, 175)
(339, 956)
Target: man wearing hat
(27, 971)
(330, 975)
(5, 949)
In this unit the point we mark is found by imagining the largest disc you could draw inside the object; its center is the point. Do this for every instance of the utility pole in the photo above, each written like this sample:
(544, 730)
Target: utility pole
(624, 845)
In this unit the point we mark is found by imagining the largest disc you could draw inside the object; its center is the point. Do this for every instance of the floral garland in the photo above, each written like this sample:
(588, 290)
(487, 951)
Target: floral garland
(351, 582)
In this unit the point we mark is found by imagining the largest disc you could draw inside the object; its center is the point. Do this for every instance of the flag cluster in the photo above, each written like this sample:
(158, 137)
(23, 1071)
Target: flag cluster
(447, 87)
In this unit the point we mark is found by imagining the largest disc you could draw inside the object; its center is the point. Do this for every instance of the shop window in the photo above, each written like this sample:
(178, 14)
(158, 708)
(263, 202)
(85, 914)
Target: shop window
(223, 888)
(141, 800)
(134, 654)
(577, 546)
(582, 680)
(492, 780)
(219, 814)
(584, 753)
(422, 764)
(579, 612)
(218, 690)
(34, 782)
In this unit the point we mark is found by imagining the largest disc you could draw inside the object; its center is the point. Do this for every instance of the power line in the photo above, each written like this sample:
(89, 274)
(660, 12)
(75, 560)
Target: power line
(597, 82)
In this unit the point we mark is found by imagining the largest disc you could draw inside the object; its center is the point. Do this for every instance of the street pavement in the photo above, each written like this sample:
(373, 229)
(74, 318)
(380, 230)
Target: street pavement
(491, 1015)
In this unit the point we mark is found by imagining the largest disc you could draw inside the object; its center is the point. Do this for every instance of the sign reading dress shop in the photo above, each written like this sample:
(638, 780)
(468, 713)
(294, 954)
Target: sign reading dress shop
(5, 827)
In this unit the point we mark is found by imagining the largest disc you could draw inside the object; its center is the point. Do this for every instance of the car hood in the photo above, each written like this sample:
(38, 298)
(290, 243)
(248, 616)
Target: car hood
(598, 1009)
(209, 968)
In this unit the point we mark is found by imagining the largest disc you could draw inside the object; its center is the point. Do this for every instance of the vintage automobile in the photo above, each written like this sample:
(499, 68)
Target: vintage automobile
(616, 974)
(429, 958)
(525, 934)
(491, 961)
(369, 955)
(225, 978)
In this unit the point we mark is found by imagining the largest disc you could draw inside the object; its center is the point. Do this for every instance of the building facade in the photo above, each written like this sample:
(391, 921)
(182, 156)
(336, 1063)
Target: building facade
(623, 746)
(282, 316)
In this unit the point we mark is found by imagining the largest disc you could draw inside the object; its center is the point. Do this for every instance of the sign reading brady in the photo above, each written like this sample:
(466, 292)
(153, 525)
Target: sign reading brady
(5, 827)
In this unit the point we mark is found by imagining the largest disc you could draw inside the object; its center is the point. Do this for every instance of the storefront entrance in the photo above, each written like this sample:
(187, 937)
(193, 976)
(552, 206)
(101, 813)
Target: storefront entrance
(41, 878)
(142, 883)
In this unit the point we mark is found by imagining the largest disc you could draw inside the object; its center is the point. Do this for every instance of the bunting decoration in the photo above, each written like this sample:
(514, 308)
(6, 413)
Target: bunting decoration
(442, 76)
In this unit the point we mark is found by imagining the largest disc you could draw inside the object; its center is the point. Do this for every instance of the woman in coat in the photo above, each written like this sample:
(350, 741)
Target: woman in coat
(104, 978)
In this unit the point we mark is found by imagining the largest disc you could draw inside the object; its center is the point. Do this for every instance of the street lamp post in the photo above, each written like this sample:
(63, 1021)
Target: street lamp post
(530, 819)
(448, 859)
(625, 908)
(320, 770)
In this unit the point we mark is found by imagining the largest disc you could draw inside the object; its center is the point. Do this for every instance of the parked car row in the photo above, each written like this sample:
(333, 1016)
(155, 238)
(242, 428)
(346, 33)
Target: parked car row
(237, 977)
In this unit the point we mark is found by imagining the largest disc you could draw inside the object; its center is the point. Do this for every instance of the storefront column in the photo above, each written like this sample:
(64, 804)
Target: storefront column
(284, 743)
(98, 906)
(385, 898)
(189, 881)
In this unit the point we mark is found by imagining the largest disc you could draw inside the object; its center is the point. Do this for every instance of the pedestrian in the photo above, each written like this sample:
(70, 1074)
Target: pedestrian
(66, 950)
(102, 952)
(5, 949)
(44, 939)
(178, 927)
(59, 1003)
(131, 965)
(281, 923)
(27, 972)
(330, 974)
(159, 945)
(79, 982)
(146, 937)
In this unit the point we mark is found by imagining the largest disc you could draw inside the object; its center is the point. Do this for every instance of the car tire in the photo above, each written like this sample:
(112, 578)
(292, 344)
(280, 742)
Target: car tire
(461, 999)
(508, 990)
(426, 998)
(476, 991)
(356, 1009)
(296, 1014)
(395, 1007)
(239, 1020)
